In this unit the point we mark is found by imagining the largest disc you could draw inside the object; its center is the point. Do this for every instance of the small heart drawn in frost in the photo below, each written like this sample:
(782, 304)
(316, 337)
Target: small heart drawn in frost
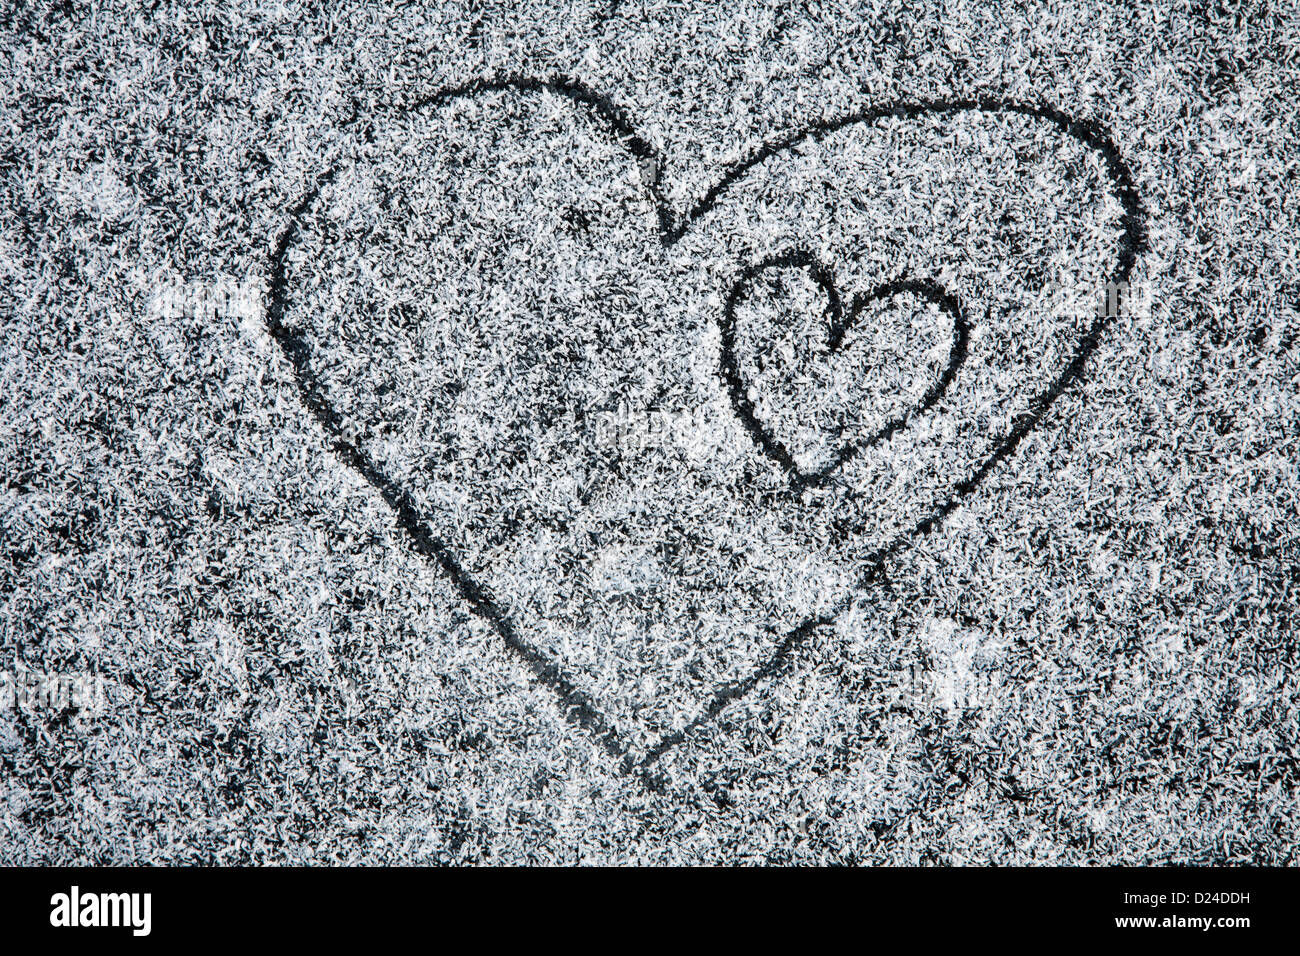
(839, 323)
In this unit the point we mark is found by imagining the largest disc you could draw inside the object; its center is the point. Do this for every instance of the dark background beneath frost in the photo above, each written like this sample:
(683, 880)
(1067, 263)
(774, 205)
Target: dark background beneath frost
(1092, 661)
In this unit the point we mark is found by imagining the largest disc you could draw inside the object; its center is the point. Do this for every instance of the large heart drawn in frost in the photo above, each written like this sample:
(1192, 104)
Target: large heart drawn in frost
(656, 450)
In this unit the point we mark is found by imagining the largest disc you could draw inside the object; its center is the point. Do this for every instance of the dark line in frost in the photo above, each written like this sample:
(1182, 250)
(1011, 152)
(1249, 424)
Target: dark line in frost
(577, 706)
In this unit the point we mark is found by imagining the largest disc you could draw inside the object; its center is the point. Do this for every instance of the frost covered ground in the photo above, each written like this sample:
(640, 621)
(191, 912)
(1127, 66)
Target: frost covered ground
(649, 432)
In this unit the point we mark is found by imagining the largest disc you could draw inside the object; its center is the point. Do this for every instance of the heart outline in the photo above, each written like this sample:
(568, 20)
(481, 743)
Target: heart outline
(840, 324)
(577, 706)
